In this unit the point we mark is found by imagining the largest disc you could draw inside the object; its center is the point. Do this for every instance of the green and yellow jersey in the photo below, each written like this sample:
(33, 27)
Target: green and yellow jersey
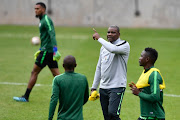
(151, 84)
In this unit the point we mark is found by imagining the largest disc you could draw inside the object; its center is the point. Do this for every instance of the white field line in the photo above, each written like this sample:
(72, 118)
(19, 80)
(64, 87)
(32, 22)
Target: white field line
(11, 83)
(58, 36)
(67, 36)
(128, 91)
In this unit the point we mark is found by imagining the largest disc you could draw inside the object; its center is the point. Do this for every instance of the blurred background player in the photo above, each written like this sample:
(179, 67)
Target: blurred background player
(72, 90)
(48, 53)
(111, 72)
(150, 87)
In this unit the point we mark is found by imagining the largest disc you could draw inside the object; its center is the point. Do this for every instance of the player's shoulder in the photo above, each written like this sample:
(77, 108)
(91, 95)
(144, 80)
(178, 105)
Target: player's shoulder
(122, 42)
(59, 76)
(155, 71)
(47, 18)
(80, 75)
(155, 74)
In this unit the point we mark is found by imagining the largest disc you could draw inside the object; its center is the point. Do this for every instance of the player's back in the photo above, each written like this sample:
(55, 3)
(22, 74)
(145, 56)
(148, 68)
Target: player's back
(73, 92)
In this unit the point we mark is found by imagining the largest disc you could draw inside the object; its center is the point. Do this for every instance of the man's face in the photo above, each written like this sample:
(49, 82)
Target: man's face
(143, 58)
(112, 34)
(39, 10)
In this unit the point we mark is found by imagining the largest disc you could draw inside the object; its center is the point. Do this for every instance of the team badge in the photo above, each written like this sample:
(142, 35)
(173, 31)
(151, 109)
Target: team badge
(39, 24)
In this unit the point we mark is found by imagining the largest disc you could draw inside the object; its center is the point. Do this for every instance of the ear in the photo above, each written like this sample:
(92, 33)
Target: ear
(147, 59)
(43, 9)
(63, 65)
(75, 65)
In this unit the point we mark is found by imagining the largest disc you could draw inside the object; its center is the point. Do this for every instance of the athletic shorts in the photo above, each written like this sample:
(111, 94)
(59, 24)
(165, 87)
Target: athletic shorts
(44, 58)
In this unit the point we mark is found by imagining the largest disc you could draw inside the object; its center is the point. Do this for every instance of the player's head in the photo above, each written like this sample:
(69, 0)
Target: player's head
(69, 63)
(40, 9)
(148, 56)
(113, 33)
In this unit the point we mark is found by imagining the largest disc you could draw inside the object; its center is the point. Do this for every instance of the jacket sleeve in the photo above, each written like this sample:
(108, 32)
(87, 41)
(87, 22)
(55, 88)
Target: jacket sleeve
(122, 49)
(97, 76)
(51, 30)
(54, 99)
(154, 81)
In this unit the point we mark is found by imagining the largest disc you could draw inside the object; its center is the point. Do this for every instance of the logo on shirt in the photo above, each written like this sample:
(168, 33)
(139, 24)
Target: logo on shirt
(105, 56)
(151, 113)
(39, 24)
(118, 93)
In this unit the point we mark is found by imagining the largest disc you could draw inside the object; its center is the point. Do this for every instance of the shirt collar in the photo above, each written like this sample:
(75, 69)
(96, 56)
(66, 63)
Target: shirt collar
(117, 41)
(69, 71)
(148, 69)
(42, 16)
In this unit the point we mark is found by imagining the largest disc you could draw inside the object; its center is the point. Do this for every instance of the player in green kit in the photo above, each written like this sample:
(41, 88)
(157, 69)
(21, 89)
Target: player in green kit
(149, 87)
(72, 91)
(47, 54)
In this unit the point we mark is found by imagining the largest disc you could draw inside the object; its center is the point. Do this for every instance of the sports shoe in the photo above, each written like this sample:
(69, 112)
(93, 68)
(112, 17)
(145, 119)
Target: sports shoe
(20, 99)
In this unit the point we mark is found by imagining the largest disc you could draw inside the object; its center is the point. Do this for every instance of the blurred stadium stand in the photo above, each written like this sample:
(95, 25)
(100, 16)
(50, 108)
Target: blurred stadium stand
(124, 13)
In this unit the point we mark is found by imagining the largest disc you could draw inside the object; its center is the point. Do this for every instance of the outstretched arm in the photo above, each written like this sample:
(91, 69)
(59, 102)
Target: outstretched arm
(122, 49)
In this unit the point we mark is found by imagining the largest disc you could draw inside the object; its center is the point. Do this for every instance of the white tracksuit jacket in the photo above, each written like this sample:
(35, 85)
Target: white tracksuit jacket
(111, 69)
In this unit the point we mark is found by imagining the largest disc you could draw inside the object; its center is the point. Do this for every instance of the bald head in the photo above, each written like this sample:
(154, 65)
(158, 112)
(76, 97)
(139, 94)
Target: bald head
(69, 63)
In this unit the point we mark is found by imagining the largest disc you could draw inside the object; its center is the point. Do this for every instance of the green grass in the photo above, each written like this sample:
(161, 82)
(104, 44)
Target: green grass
(16, 63)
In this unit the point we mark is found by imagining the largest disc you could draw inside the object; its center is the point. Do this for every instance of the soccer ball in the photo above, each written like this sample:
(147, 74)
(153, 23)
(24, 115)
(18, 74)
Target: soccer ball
(35, 41)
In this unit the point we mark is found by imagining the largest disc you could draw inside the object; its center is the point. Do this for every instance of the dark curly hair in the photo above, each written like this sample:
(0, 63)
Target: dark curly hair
(153, 54)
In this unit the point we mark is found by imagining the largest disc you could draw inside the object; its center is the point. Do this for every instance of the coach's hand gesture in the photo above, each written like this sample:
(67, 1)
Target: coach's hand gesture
(96, 36)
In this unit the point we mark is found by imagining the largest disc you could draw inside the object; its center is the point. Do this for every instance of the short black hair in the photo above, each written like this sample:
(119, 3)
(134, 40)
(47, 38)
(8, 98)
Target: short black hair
(114, 26)
(41, 4)
(153, 54)
(69, 62)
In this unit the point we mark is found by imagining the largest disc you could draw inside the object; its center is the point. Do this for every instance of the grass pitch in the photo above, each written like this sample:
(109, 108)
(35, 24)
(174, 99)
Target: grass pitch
(16, 63)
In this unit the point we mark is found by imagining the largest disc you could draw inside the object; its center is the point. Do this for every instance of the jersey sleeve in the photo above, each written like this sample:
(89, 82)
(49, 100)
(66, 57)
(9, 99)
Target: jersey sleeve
(50, 29)
(54, 99)
(122, 49)
(86, 94)
(154, 81)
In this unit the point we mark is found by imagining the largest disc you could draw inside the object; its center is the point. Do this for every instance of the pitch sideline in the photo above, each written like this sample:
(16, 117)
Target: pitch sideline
(128, 91)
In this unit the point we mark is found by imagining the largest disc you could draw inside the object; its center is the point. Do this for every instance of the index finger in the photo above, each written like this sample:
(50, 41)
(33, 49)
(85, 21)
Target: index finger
(133, 83)
(94, 30)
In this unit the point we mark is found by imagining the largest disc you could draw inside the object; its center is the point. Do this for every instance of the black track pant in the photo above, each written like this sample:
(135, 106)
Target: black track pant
(111, 100)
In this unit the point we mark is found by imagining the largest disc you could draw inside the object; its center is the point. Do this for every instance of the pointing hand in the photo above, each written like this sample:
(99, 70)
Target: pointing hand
(96, 36)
